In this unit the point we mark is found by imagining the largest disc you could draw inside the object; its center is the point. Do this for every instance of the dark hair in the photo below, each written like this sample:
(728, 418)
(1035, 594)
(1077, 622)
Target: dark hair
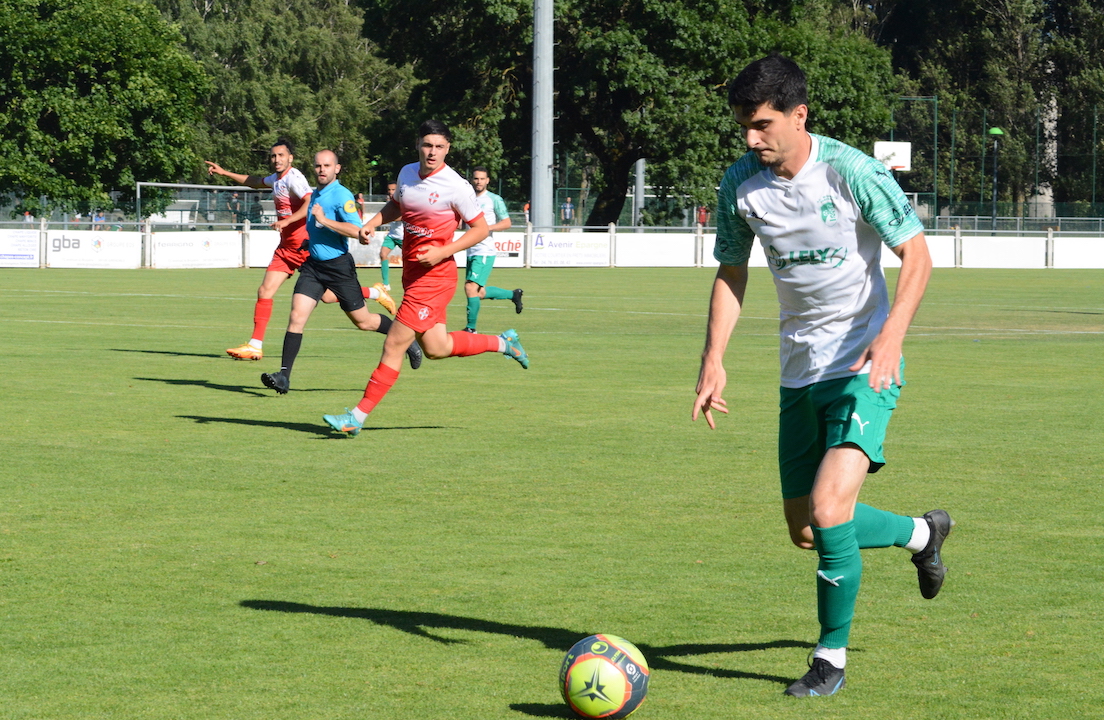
(482, 169)
(774, 79)
(286, 143)
(434, 127)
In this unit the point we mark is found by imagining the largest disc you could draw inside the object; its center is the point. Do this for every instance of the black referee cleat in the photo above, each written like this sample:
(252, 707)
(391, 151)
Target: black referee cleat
(516, 299)
(414, 355)
(929, 562)
(276, 381)
(823, 678)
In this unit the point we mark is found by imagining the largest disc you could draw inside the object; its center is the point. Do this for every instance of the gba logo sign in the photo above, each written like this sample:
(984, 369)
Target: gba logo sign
(73, 243)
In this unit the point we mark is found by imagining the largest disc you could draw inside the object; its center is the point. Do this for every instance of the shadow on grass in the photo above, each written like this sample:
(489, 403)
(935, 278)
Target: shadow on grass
(315, 429)
(257, 390)
(169, 352)
(559, 710)
(416, 623)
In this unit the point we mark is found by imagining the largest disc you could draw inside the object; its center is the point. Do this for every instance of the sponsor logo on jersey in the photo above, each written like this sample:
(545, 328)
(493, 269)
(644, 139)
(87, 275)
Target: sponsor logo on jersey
(350, 206)
(823, 256)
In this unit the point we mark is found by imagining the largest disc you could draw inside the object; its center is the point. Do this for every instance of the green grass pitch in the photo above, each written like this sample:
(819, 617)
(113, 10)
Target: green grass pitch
(178, 542)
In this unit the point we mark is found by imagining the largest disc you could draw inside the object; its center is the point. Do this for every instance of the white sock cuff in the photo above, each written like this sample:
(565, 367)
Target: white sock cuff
(836, 656)
(921, 533)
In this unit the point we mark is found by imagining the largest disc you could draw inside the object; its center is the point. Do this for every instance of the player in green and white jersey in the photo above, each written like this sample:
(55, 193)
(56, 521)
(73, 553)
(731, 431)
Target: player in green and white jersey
(822, 211)
(393, 240)
(481, 257)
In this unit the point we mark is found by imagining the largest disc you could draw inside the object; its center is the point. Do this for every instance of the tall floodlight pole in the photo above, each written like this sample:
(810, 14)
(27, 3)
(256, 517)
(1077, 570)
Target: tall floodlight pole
(540, 211)
(995, 133)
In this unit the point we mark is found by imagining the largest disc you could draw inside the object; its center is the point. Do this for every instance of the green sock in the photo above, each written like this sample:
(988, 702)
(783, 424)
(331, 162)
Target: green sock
(473, 311)
(838, 577)
(385, 272)
(497, 293)
(876, 528)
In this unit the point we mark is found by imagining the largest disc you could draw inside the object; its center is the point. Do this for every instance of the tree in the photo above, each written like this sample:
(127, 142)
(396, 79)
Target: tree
(299, 70)
(635, 79)
(94, 95)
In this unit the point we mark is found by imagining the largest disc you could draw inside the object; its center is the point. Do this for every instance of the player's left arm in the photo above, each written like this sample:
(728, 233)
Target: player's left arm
(340, 227)
(477, 232)
(503, 215)
(885, 352)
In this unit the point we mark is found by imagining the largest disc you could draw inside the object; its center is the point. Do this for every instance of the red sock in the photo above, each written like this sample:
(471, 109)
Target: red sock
(262, 313)
(465, 344)
(378, 385)
(367, 292)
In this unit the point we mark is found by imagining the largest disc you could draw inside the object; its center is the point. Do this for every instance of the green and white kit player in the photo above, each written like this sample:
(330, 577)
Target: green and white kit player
(393, 240)
(481, 257)
(822, 211)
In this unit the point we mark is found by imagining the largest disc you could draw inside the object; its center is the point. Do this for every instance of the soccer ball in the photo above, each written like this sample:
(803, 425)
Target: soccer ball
(604, 676)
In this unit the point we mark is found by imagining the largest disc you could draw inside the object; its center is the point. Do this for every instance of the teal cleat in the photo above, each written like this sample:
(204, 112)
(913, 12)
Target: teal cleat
(343, 423)
(514, 349)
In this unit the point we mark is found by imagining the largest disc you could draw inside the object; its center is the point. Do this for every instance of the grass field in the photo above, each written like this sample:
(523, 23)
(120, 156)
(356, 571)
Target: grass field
(178, 542)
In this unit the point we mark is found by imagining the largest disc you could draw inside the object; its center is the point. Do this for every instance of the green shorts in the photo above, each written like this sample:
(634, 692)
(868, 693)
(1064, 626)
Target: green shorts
(390, 242)
(479, 269)
(825, 415)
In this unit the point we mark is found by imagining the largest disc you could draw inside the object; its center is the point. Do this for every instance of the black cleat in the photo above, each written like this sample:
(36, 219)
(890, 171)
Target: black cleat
(469, 330)
(414, 355)
(516, 299)
(823, 678)
(276, 381)
(929, 562)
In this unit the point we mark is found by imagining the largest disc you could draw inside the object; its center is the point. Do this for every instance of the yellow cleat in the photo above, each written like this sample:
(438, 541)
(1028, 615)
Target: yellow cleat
(384, 299)
(245, 352)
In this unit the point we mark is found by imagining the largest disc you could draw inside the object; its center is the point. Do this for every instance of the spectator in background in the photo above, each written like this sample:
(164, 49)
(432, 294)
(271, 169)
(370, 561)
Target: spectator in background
(233, 206)
(27, 217)
(98, 220)
(703, 215)
(567, 212)
(360, 205)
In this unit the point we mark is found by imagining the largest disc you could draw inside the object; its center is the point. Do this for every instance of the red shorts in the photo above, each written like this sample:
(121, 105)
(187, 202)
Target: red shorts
(425, 302)
(287, 260)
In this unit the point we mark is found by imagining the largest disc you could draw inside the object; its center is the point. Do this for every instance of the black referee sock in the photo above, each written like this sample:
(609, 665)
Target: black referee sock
(384, 326)
(292, 343)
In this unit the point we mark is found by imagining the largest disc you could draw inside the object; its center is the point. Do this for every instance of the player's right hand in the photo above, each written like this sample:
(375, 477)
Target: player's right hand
(711, 383)
(365, 234)
(213, 168)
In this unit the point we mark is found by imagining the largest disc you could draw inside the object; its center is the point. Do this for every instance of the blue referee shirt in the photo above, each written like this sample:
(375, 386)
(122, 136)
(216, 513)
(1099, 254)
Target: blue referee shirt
(338, 204)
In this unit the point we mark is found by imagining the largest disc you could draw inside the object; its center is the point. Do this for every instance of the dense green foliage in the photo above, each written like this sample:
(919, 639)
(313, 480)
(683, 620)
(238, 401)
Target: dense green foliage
(94, 95)
(638, 79)
(178, 542)
(301, 70)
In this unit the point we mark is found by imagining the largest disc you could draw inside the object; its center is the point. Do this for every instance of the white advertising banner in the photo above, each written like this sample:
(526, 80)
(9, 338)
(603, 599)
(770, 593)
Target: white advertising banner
(262, 243)
(93, 249)
(212, 249)
(1003, 252)
(1078, 252)
(19, 248)
(655, 249)
(571, 249)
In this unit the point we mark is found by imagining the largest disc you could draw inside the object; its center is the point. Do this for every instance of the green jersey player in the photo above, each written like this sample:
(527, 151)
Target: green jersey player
(822, 212)
(481, 257)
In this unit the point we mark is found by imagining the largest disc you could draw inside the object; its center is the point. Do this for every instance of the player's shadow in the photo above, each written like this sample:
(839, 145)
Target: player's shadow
(310, 428)
(660, 657)
(168, 352)
(243, 389)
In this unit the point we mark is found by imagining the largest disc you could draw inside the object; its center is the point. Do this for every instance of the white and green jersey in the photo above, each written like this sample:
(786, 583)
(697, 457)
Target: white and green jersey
(494, 209)
(822, 233)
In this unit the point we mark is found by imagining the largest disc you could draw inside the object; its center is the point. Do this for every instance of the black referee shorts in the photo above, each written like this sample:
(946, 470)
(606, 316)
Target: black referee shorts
(318, 276)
